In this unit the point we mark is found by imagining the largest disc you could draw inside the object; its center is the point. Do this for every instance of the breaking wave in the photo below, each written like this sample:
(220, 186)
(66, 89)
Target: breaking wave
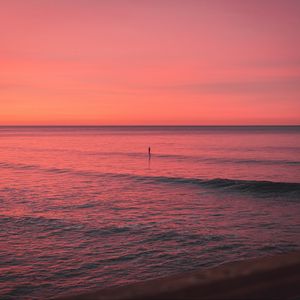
(225, 184)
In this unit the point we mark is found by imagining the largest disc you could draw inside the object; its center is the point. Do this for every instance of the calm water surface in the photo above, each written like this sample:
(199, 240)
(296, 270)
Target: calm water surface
(84, 208)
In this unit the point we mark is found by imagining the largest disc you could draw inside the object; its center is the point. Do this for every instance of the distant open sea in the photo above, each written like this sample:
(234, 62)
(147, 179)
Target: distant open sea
(83, 208)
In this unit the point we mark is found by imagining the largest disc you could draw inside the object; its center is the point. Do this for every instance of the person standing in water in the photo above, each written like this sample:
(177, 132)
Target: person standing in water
(149, 157)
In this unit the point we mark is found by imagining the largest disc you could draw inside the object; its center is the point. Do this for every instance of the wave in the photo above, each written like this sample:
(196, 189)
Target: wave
(224, 184)
(253, 185)
(228, 160)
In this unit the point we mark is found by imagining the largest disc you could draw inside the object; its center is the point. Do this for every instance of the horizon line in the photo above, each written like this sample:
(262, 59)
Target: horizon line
(155, 125)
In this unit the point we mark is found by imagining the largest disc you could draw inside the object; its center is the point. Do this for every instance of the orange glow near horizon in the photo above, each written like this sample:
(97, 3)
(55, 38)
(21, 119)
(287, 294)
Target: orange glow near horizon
(129, 62)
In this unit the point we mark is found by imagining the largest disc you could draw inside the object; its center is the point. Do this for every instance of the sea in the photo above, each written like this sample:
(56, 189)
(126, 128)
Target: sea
(86, 208)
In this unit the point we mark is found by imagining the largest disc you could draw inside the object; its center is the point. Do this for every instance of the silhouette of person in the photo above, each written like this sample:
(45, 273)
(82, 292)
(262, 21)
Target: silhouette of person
(149, 157)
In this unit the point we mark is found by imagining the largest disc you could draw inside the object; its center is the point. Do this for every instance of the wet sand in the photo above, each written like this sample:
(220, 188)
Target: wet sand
(273, 277)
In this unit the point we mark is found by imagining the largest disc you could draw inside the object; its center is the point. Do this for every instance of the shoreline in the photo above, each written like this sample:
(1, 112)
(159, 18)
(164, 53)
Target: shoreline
(271, 277)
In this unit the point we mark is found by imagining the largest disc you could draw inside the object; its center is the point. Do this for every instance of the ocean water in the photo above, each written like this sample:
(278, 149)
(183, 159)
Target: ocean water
(83, 208)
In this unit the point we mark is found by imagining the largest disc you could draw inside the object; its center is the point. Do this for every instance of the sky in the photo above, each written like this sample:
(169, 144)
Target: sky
(150, 62)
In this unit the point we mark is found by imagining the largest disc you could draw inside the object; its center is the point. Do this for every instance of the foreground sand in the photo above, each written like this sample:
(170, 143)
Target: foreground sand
(273, 277)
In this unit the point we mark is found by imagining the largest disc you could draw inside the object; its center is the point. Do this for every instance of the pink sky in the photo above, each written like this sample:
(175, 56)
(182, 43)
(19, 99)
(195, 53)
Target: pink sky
(149, 62)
